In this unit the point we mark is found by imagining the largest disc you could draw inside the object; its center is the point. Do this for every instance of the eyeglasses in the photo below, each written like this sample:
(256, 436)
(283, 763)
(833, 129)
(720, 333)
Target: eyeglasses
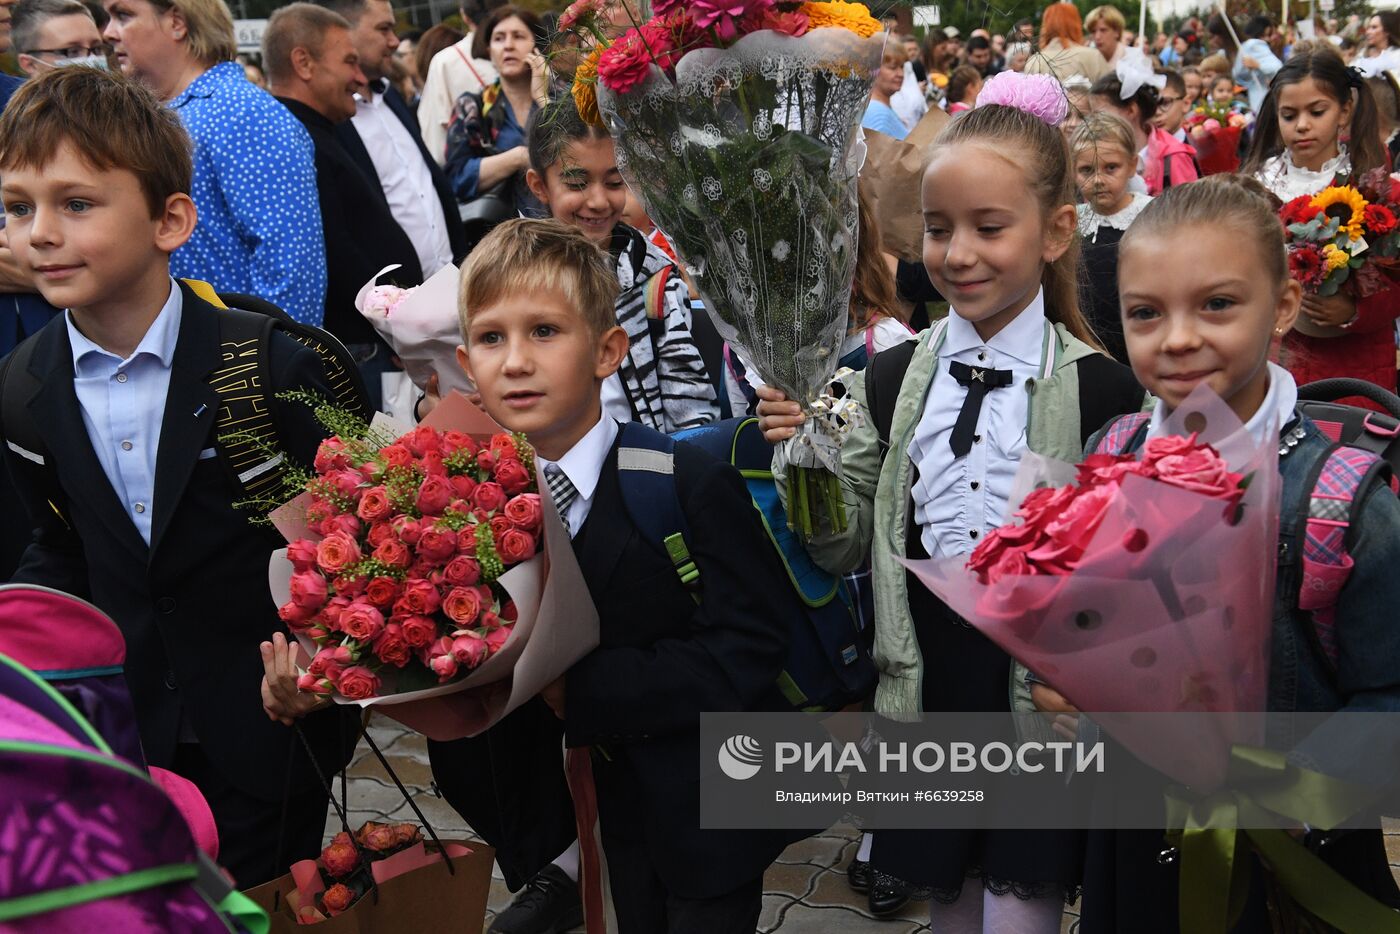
(1168, 101)
(74, 51)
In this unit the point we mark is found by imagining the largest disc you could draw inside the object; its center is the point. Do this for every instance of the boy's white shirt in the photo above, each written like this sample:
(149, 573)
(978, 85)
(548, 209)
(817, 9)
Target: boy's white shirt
(583, 465)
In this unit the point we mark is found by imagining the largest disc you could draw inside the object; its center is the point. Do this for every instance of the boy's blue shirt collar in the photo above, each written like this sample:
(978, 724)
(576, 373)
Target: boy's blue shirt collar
(159, 340)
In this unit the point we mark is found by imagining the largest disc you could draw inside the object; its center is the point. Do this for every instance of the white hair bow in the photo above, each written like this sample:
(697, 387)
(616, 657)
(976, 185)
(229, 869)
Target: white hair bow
(1134, 70)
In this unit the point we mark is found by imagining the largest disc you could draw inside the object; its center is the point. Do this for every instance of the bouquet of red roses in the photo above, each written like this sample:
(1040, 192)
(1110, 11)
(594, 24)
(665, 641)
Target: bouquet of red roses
(1146, 585)
(1346, 236)
(417, 569)
(338, 878)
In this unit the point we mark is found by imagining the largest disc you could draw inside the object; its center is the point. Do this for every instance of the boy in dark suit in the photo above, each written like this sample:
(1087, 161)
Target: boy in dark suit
(540, 338)
(131, 504)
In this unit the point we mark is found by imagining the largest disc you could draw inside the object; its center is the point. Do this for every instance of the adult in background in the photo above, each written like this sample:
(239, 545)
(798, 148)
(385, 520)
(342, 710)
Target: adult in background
(1105, 25)
(879, 115)
(51, 34)
(259, 230)
(434, 40)
(1062, 51)
(997, 61)
(314, 71)
(1257, 64)
(8, 83)
(979, 55)
(1382, 44)
(452, 72)
(486, 153)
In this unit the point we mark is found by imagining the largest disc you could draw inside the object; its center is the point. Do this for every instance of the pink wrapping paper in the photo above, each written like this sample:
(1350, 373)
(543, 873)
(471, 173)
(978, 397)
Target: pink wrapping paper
(1170, 611)
(557, 623)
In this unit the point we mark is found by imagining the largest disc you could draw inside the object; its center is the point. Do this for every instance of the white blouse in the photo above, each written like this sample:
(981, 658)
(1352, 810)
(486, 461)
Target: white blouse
(1288, 181)
(1090, 220)
(959, 500)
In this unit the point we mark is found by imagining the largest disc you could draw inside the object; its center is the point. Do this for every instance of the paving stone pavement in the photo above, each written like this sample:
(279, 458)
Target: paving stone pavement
(805, 891)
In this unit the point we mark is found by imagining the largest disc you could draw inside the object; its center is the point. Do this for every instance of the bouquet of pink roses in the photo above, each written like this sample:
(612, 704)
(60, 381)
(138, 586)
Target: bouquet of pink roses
(418, 567)
(1146, 585)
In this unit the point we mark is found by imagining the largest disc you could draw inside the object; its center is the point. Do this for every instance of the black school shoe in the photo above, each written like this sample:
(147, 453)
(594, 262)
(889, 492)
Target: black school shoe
(887, 898)
(859, 876)
(549, 904)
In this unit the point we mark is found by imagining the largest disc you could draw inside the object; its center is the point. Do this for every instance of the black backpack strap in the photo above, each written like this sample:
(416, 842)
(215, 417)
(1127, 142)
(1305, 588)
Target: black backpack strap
(246, 430)
(883, 377)
(1107, 389)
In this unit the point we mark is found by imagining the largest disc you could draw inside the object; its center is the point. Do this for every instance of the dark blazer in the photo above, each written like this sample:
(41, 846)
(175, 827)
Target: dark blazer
(362, 237)
(663, 659)
(350, 139)
(194, 605)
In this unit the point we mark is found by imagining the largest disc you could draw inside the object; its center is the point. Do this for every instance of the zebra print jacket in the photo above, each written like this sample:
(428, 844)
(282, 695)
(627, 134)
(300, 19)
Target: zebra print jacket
(663, 375)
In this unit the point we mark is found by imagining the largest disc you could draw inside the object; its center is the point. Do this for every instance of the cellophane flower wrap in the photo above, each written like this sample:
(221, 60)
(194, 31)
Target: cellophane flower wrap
(736, 126)
(426, 573)
(1141, 585)
(1215, 130)
(420, 324)
(1346, 237)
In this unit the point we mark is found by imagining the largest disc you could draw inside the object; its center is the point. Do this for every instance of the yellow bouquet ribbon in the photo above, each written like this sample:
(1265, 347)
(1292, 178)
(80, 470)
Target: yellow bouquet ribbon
(1215, 859)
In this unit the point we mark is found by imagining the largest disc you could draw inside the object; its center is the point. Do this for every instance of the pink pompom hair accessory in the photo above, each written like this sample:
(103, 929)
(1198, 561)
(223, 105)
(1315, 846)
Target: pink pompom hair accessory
(1041, 96)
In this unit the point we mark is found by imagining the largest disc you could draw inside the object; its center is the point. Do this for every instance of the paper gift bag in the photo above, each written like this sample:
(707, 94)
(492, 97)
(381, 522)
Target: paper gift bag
(422, 896)
(891, 179)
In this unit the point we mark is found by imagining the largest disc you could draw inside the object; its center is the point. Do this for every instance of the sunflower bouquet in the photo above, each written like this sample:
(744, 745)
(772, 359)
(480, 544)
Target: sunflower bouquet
(1346, 236)
(736, 126)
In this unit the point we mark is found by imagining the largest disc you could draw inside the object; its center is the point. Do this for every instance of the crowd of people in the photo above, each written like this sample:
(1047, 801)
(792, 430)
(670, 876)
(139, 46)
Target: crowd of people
(1085, 242)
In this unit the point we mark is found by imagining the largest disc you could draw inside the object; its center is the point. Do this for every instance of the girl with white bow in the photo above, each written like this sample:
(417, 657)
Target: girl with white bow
(1132, 92)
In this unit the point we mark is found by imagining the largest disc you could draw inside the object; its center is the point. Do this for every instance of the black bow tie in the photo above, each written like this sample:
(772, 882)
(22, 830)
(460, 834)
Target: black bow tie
(379, 85)
(979, 381)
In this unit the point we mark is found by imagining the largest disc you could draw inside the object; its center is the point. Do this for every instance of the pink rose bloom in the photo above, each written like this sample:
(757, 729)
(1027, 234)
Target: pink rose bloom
(374, 505)
(1200, 471)
(391, 647)
(525, 512)
(336, 552)
(393, 553)
(422, 440)
(310, 684)
(407, 529)
(1074, 527)
(358, 683)
(724, 15)
(462, 570)
(302, 554)
(308, 589)
(437, 544)
(444, 666)
(418, 631)
(515, 546)
(379, 533)
(466, 540)
(513, 477)
(396, 455)
(344, 482)
(469, 649)
(434, 495)
(382, 591)
(342, 522)
(462, 606)
(361, 622)
(1011, 563)
(462, 486)
(488, 496)
(496, 638)
(331, 455)
(419, 597)
(296, 617)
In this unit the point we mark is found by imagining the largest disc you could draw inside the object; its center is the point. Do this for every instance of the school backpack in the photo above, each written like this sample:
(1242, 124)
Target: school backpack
(828, 665)
(1362, 454)
(246, 432)
(93, 843)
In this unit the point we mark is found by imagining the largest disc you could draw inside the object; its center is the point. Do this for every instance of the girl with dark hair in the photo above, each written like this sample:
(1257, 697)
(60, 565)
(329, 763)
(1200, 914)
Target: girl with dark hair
(1000, 244)
(963, 87)
(1164, 159)
(486, 155)
(1319, 126)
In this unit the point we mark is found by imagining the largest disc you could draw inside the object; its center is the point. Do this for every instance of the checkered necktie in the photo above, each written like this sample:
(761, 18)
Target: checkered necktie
(561, 489)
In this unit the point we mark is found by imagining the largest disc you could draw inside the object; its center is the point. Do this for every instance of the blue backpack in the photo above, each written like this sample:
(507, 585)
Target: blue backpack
(828, 665)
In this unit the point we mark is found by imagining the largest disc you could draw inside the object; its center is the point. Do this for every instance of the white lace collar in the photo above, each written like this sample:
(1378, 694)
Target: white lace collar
(1090, 220)
(1288, 181)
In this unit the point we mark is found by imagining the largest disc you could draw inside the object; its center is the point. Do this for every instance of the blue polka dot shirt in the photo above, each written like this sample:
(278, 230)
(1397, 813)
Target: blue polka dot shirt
(259, 229)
